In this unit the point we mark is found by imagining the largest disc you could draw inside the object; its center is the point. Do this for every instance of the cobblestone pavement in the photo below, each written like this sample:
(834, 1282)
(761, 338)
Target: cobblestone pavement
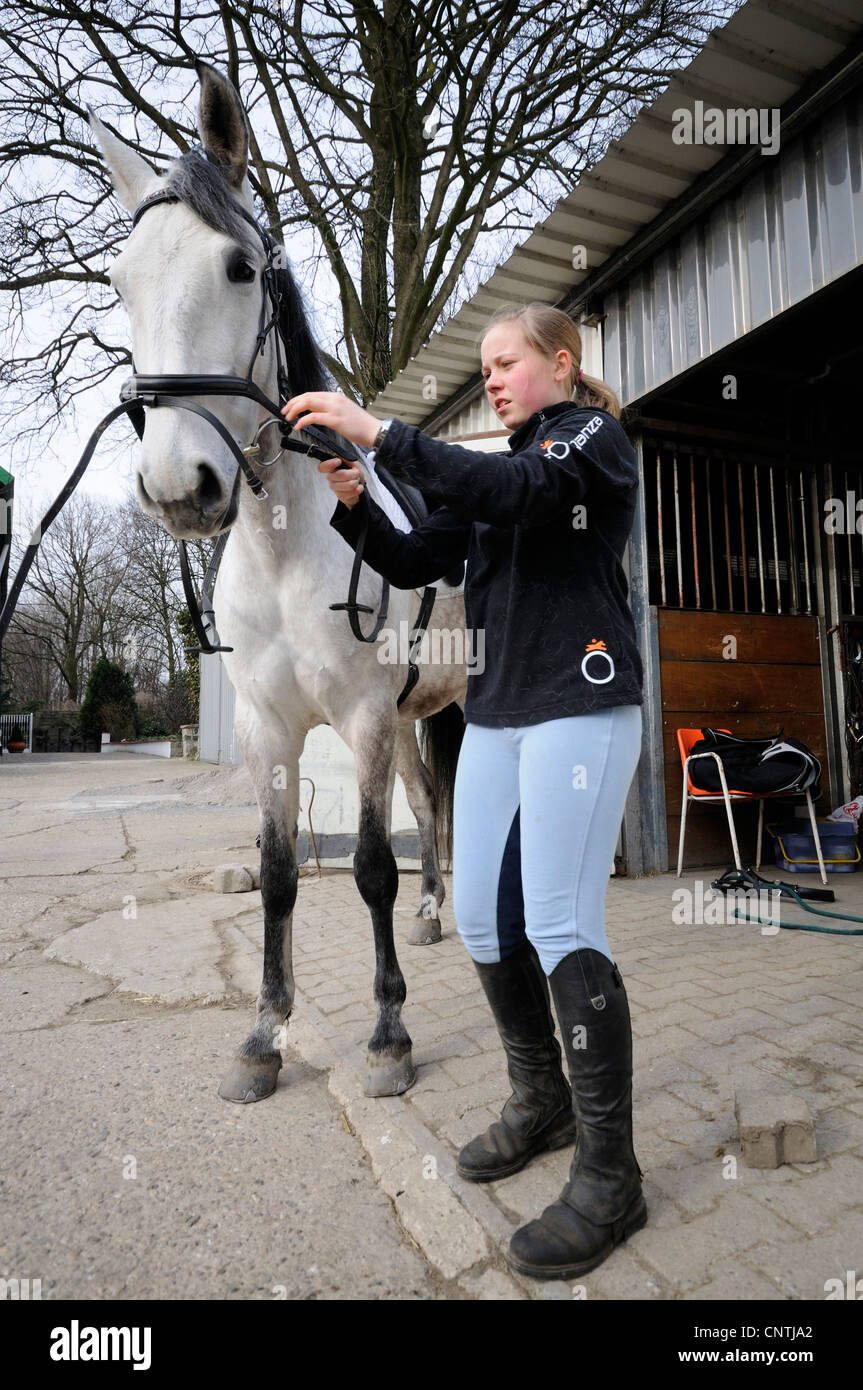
(715, 1007)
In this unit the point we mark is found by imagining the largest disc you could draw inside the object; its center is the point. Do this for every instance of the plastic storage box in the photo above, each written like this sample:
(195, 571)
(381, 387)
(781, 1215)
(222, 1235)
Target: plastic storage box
(794, 846)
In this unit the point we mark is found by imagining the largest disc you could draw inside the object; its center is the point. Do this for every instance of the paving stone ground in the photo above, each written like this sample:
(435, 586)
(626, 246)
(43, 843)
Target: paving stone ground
(713, 1006)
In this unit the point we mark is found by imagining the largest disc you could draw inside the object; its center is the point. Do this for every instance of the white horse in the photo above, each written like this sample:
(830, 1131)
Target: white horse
(190, 277)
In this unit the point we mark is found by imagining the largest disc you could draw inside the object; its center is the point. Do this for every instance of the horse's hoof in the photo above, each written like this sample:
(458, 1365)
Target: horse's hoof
(389, 1076)
(251, 1079)
(424, 932)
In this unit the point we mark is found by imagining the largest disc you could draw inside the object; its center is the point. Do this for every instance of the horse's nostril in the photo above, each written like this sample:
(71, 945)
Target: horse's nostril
(209, 489)
(143, 494)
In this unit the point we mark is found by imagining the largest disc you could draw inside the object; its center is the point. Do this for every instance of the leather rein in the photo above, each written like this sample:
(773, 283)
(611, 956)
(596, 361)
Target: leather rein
(170, 390)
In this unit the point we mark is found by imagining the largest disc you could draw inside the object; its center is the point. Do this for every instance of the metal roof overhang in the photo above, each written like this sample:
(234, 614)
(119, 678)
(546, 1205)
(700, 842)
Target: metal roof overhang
(770, 54)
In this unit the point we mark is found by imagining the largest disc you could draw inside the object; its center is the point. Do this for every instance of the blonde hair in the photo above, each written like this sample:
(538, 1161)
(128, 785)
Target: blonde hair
(547, 330)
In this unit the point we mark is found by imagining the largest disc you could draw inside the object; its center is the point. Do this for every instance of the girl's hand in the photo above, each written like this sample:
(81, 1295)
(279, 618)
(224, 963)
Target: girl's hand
(334, 411)
(346, 483)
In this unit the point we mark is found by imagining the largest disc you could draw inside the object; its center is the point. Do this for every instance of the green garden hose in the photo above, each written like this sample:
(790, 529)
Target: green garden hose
(806, 926)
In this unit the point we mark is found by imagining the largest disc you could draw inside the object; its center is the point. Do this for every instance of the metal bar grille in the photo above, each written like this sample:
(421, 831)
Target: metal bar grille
(16, 725)
(746, 520)
(843, 521)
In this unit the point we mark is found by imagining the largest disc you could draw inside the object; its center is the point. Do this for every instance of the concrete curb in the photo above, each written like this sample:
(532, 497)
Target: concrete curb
(455, 1224)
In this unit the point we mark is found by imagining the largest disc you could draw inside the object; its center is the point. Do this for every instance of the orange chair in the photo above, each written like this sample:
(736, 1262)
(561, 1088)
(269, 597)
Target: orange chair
(685, 739)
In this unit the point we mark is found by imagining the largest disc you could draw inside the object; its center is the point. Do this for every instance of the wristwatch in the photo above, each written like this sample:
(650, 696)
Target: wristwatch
(381, 434)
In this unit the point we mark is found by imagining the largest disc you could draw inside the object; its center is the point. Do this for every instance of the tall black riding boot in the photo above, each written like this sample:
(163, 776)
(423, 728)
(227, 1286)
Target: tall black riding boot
(538, 1115)
(602, 1203)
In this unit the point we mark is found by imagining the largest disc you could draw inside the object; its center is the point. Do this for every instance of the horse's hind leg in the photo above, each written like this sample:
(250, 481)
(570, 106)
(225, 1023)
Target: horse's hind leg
(389, 1065)
(426, 930)
(255, 1068)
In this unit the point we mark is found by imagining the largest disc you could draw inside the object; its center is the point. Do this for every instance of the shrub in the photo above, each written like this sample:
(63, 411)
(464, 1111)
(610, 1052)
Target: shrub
(117, 720)
(154, 724)
(109, 703)
(173, 708)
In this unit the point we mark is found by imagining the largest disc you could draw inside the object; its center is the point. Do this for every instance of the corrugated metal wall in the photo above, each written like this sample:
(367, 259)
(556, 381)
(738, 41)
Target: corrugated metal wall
(791, 229)
(477, 417)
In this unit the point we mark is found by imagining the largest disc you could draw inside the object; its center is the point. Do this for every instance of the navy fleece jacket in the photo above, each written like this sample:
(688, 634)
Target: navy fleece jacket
(543, 528)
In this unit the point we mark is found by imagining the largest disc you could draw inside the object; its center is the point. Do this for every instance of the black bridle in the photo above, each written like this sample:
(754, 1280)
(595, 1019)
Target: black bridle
(169, 390)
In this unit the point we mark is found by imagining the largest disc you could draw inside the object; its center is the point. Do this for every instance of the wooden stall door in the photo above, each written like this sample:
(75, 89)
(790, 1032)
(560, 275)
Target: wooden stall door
(753, 674)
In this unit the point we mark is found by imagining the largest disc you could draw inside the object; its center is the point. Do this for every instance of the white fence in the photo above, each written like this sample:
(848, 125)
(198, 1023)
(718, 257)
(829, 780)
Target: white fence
(21, 722)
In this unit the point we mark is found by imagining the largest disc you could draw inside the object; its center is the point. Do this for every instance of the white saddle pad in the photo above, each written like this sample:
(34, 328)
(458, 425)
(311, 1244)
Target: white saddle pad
(396, 515)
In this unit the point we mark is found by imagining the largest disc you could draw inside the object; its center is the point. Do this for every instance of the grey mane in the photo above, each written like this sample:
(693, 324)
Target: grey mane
(198, 180)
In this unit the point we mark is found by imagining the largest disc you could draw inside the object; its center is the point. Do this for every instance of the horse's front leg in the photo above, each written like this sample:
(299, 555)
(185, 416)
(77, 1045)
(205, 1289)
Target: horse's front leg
(419, 790)
(255, 1068)
(389, 1065)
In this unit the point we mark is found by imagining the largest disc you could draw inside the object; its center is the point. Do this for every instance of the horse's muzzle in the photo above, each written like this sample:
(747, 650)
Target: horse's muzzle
(206, 511)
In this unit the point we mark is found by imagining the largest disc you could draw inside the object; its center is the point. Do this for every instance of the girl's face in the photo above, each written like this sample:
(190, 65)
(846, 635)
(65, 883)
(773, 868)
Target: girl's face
(518, 381)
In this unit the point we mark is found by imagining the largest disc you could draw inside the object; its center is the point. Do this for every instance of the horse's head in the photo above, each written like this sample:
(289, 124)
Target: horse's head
(189, 275)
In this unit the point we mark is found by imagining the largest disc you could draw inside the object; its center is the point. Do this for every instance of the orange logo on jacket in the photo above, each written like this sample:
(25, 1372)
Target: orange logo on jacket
(597, 648)
(546, 443)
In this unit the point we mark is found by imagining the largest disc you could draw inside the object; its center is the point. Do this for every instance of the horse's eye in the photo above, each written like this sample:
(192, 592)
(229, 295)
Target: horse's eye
(240, 272)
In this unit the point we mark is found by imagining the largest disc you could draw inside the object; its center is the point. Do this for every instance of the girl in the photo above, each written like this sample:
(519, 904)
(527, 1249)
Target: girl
(551, 743)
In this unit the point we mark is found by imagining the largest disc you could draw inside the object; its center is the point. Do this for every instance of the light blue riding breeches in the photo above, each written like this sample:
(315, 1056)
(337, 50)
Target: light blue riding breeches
(536, 817)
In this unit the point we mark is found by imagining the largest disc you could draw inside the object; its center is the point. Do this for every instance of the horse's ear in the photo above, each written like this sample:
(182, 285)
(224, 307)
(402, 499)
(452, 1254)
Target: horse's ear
(130, 174)
(222, 122)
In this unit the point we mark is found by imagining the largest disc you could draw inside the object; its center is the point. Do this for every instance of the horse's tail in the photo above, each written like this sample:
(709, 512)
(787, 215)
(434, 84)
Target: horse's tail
(439, 743)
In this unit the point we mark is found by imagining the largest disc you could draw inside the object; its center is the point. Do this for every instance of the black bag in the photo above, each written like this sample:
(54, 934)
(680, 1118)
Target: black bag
(759, 765)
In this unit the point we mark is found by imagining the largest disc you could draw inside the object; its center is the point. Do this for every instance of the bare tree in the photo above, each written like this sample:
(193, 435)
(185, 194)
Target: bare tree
(106, 582)
(74, 606)
(153, 595)
(32, 676)
(418, 141)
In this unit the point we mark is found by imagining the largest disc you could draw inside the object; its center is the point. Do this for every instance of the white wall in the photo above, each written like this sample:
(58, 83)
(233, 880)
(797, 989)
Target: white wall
(326, 759)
